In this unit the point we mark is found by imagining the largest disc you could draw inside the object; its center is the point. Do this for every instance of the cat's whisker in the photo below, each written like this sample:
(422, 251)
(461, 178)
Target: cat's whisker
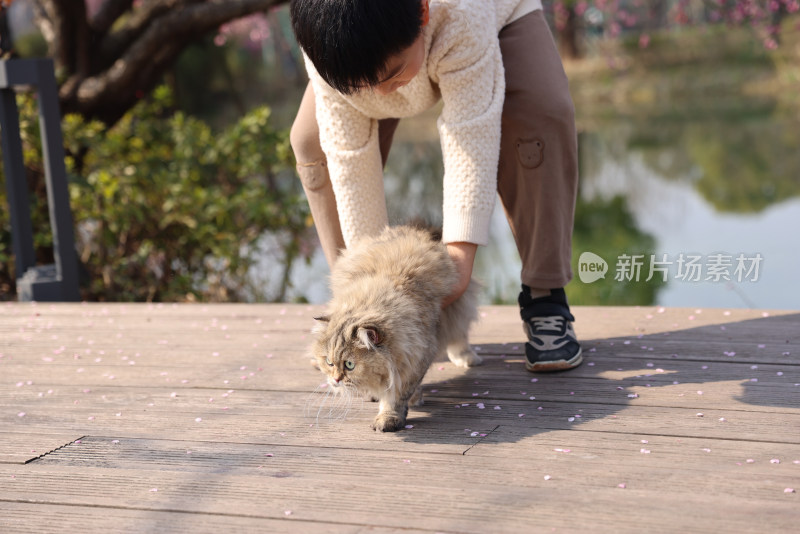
(322, 404)
(343, 401)
(312, 398)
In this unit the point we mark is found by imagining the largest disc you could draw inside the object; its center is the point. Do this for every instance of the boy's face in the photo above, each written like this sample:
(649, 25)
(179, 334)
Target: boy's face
(401, 68)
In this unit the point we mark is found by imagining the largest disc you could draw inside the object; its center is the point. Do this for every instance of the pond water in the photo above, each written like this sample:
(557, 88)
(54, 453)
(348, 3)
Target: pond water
(711, 204)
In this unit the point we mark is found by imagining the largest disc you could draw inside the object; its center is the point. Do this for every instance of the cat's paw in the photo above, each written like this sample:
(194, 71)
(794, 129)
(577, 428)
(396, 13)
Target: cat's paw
(464, 358)
(385, 422)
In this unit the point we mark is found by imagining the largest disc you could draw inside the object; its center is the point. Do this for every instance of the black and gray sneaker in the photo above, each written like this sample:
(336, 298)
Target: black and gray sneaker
(547, 321)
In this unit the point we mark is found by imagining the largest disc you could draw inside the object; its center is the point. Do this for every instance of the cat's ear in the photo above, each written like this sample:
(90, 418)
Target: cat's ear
(321, 324)
(369, 337)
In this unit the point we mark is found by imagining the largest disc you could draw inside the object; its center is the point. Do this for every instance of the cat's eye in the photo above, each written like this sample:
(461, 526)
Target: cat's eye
(329, 362)
(350, 364)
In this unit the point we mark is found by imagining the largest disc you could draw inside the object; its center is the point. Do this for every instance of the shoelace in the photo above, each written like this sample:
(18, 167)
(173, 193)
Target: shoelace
(553, 323)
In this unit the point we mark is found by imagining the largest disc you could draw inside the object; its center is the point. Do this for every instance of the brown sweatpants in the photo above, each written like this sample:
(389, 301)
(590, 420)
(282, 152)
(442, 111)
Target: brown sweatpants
(537, 175)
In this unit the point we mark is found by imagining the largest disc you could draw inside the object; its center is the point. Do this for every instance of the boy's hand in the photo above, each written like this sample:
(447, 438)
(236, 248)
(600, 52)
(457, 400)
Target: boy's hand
(463, 255)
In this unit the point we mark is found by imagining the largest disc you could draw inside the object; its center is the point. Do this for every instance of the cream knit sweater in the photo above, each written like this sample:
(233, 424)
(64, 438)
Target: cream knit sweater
(464, 68)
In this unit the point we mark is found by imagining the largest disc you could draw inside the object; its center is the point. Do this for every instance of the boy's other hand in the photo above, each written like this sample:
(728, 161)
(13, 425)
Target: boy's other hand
(463, 255)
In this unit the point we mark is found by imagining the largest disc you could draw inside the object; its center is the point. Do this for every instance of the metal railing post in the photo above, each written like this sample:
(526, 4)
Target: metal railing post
(57, 282)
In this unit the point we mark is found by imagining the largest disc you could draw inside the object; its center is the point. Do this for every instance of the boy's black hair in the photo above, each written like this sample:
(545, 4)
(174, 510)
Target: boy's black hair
(350, 41)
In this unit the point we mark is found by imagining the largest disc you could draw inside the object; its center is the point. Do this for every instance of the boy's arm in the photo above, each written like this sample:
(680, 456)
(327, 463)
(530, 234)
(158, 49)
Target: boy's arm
(472, 83)
(463, 255)
(350, 142)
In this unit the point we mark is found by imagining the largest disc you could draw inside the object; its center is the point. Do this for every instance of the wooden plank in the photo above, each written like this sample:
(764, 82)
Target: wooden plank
(608, 381)
(440, 421)
(38, 518)
(21, 447)
(712, 462)
(731, 396)
(462, 500)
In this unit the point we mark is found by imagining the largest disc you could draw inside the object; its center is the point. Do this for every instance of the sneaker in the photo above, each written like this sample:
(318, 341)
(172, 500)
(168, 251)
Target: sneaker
(547, 321)
(552, 345)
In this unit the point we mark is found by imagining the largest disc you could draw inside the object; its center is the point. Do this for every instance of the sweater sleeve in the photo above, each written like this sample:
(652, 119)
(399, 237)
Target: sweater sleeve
(472, 84)
(350, 142)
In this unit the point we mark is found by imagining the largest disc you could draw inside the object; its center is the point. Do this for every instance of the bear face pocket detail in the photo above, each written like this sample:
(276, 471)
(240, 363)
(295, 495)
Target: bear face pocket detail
(530, 152)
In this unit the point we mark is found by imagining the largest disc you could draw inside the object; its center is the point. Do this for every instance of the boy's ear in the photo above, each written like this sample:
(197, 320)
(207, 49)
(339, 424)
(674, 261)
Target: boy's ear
(426, 14)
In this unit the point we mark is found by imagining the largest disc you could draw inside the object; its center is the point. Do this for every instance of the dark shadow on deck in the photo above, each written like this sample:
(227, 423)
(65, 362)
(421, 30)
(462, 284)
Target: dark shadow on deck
(587, 394)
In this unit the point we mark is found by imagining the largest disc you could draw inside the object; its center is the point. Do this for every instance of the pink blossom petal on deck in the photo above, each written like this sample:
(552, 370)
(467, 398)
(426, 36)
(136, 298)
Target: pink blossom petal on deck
(547, 477)
(750, 461)
(622, 486)
(198, 419)
(409, 427)
(774, 461)
(21, 414)
(789, 490)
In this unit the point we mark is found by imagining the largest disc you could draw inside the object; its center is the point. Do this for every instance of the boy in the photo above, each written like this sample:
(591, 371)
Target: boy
(507, 125)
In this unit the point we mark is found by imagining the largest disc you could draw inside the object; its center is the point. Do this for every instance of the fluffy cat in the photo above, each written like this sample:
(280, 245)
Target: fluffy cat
(385, 326)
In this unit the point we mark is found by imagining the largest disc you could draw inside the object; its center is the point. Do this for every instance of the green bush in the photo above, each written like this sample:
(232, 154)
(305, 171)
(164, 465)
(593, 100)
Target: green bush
(166, 209)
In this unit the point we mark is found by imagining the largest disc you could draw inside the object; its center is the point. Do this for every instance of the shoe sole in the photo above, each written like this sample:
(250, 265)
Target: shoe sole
(557, 365)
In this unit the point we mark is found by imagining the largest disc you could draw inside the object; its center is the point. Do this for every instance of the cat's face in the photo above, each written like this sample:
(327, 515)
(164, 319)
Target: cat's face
(352, 356)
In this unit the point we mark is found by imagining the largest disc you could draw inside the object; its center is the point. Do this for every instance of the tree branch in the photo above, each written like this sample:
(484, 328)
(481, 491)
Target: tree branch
(140, 67)
(114, 44)
(108, 13)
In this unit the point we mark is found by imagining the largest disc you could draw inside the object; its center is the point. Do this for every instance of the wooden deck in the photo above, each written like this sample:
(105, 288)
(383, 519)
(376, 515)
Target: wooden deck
(209, 418)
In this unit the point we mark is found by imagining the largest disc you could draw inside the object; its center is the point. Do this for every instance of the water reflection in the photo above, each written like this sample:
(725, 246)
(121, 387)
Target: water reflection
(648, 187)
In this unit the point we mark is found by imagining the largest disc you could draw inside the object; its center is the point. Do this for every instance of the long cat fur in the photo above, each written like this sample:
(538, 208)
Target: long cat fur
(385, 318)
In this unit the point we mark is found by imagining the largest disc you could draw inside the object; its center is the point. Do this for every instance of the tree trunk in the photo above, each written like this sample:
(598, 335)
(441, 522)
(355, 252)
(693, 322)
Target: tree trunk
(106, 63)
